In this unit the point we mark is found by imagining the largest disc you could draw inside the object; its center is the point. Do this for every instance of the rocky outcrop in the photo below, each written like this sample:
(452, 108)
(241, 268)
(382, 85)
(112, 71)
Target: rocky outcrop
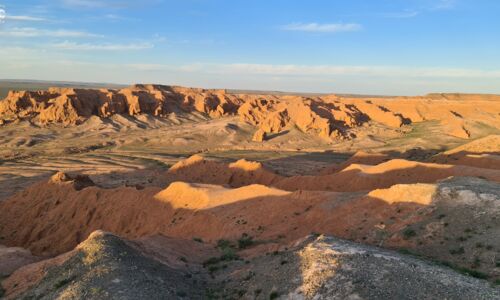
(78, 181)
(71, 106)
(102, 267)
(259, 136)
(332, 268)
(12, 258)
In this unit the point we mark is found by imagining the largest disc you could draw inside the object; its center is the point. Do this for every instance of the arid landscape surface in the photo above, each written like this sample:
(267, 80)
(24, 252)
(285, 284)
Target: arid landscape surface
(166, 192)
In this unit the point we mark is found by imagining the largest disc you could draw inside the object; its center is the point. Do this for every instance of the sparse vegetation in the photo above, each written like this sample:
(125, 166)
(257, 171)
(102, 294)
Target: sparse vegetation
(408, 233)
(464, 270)
(457, 251)
(224, 244)
(249, 276)
(213, 268)
(245, 241)
(62, 283)
(228, 254)
(476, 263)
(95, 290)
(472, 273)
(405, 251)
(273, 295)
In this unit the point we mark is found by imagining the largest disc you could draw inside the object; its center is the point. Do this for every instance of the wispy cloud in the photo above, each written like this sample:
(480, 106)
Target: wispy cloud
(443, 5)
(327, 27)
(24, 18)
(5, 16)
(25, 32)
(115, 17)
(85, 3)
(402, 14)
(101, 47)
(437, 5)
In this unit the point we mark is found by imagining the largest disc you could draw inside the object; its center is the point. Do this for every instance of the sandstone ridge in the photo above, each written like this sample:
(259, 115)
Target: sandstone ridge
(330, 117)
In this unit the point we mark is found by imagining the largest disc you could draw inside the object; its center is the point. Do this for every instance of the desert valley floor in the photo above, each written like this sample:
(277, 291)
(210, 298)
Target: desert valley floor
(161, 192)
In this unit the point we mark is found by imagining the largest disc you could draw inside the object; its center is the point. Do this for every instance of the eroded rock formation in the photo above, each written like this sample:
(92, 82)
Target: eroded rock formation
(327, 116)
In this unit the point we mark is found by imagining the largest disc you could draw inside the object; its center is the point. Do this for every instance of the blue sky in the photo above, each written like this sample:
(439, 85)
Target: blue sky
(357, 46)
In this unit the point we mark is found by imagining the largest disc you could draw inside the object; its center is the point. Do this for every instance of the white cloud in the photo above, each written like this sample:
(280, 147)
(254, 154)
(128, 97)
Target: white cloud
(24, 32)
(316, 27)
(24, 18)
(437, 5)
(101, 47)
(402, 15)
(444, 4)
(85, 3)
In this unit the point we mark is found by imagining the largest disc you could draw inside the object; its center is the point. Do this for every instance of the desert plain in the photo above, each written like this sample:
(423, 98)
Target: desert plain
(166, 192)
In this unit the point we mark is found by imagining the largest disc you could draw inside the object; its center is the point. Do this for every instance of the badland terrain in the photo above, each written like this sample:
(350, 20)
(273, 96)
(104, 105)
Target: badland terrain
(167, 192)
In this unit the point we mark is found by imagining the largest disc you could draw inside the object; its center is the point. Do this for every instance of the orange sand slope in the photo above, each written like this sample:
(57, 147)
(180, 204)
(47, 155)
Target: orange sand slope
(328, 116)
(51, 218)
(67, 208)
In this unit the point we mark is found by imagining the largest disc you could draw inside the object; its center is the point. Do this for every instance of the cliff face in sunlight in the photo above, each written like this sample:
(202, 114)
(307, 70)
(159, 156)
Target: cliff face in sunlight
(329, 117)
